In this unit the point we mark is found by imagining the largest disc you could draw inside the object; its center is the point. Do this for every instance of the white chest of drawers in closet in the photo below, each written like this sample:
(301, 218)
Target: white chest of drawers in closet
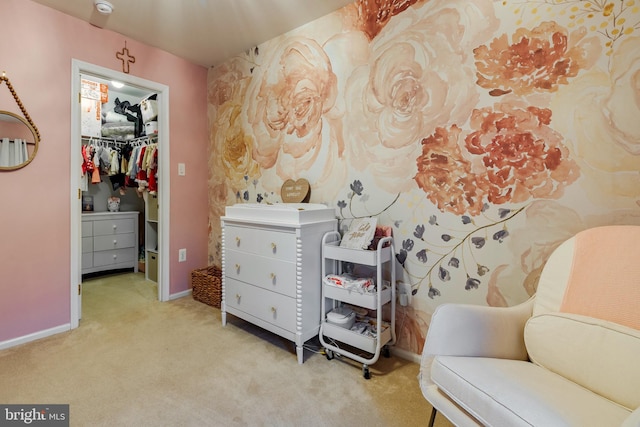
(271, 267)
(109, 241)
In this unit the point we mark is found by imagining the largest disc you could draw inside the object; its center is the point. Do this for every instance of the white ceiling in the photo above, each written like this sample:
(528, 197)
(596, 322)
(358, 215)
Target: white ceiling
(205, 32)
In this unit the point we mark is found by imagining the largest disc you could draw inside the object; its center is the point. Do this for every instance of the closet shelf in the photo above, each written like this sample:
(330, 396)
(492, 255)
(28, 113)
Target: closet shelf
(151, 139)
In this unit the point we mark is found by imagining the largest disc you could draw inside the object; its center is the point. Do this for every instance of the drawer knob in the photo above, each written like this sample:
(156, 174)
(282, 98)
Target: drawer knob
(273, 246)
(273, 276)
(238, 296)
(274, 310)
(115, 256)
(237, 268)
(115, 242)
(237, 240)
(115, 226)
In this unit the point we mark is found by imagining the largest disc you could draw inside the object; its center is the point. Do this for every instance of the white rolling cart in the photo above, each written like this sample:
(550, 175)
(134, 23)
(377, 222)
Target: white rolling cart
(382, 260)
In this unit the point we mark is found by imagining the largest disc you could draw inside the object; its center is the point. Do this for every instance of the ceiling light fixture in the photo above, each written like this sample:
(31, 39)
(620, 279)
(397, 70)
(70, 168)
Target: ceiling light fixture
(116, 84)
(104, 7)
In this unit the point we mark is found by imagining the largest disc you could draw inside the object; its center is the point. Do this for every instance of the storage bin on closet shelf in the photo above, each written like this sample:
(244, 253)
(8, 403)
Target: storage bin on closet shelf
(149, 109)
(151, 128)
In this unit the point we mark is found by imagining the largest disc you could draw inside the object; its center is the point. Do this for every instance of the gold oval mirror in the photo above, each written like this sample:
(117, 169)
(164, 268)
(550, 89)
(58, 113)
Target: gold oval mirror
(18, 141)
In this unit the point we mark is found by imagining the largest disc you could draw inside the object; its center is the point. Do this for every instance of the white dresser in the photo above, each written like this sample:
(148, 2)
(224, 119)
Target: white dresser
(271, 259)
(109, 241)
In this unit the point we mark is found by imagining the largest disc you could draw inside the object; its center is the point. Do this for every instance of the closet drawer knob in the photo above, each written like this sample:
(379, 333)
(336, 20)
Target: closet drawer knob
(237, 240)
(273, 276)
(237, 296)
(273, 246)
(273, 309)
(115, 226)
(237, 268)
(115, 242)
(115, 256)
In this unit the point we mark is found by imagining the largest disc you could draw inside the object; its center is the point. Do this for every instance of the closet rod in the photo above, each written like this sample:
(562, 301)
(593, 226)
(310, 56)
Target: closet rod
(114, 141)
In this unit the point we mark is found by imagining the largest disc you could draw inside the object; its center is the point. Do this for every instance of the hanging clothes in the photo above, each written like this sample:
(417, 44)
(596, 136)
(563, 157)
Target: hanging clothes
(152, 173)
(84, 183)
(132, 164)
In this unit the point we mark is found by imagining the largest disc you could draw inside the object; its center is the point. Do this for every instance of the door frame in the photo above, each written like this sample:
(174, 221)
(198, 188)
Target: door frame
(83, 68)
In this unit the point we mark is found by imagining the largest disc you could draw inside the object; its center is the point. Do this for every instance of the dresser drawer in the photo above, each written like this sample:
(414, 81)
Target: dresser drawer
(271, 274)
(87, 260)
(114, 226)
(87, 228)
(115, 256)
(268, 306)
(109, 241)
(116, 241)
(264, 242)
(87, 245)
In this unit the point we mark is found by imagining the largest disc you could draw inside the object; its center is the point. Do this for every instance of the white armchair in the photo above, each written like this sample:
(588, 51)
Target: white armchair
(566, 357)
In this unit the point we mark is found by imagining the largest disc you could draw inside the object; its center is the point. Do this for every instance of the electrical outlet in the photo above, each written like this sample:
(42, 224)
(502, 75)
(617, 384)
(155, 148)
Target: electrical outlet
(182, 255)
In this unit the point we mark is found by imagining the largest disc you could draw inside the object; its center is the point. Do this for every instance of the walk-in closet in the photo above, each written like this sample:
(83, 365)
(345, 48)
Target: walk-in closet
(119, 180)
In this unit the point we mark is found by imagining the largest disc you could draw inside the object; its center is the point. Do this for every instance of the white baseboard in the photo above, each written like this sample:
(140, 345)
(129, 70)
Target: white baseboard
(180, 294)
(34, 336)
(406, 355)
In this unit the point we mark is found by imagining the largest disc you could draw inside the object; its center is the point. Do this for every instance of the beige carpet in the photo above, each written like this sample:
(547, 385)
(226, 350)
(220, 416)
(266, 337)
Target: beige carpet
(137, 362)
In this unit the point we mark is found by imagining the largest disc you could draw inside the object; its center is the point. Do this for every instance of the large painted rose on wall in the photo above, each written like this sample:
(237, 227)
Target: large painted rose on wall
(228, 83)
(540, 59)
(445, 174)
(599, 112)
(232, 148)
(622, 106)
(418, 77)
(522, 155)
(373, 15)
(290, 96)
(511, 155)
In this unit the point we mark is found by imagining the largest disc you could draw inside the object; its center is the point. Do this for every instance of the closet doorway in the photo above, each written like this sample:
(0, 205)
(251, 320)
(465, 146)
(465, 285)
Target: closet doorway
(158, 226)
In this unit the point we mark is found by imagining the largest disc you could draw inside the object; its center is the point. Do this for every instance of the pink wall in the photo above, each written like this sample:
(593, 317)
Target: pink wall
(36, 52)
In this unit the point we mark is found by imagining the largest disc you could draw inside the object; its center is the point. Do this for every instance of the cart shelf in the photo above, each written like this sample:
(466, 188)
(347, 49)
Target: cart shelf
(332, 250)
(355, 339)
(353, 297)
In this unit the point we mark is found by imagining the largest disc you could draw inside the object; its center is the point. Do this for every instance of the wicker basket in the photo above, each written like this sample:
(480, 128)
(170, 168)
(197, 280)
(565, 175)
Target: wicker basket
(206, 284)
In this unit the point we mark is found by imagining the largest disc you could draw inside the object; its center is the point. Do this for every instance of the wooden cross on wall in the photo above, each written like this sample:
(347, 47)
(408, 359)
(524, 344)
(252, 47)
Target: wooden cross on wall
(125, 58)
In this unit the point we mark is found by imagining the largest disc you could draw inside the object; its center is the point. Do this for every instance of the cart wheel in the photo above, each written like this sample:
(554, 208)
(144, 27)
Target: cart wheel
(365, 372)
(386, 352)
(328, 353)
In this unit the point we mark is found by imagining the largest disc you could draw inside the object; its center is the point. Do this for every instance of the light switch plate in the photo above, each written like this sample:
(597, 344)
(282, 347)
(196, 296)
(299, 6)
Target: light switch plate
(182, 170)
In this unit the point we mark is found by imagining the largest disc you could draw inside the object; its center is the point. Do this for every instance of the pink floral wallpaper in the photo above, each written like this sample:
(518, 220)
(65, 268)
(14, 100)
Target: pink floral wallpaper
(483, 132)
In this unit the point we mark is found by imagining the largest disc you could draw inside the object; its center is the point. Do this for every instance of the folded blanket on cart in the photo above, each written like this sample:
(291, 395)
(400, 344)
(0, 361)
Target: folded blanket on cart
(348, 281)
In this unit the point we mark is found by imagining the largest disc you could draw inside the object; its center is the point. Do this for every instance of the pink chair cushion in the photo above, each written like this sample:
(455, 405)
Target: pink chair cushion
(605, 275)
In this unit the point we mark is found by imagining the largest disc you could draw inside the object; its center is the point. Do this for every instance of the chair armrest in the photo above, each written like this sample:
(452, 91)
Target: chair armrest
(471, 330)
(475, 331)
